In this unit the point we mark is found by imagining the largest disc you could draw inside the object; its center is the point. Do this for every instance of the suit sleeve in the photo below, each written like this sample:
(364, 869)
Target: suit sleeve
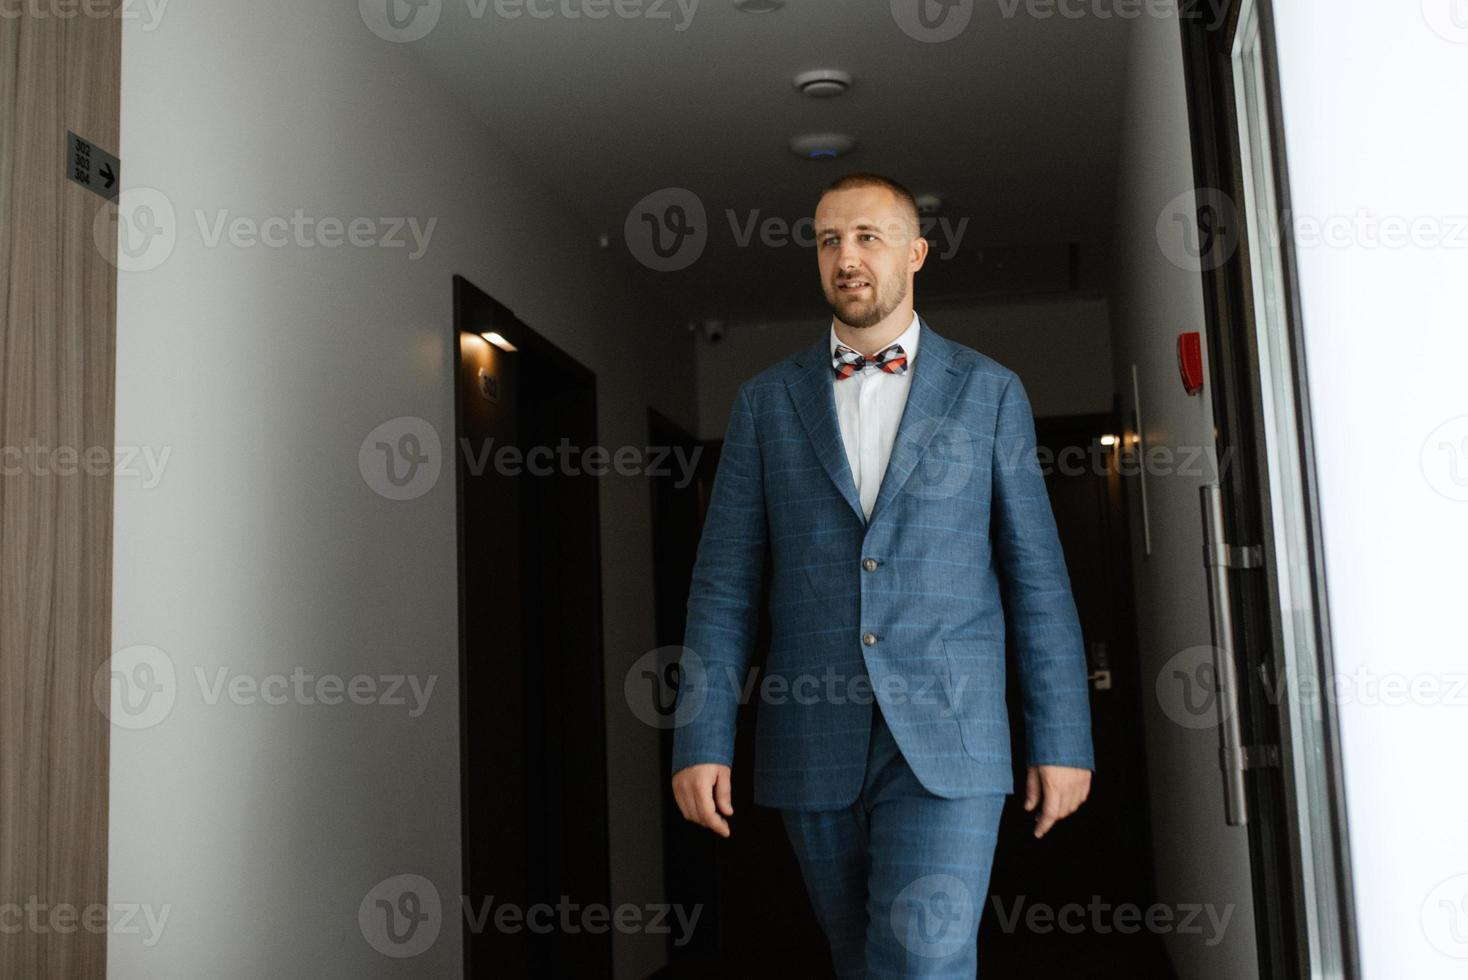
(1040, 610)
(723, 599)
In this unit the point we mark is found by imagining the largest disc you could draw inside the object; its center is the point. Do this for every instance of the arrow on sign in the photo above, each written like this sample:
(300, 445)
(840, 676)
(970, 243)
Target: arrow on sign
(107, 174)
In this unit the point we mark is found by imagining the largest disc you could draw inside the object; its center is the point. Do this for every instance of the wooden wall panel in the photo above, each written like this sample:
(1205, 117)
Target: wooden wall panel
(57, 343)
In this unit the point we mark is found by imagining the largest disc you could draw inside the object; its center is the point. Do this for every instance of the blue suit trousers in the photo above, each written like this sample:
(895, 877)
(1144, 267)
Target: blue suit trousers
(899, 878)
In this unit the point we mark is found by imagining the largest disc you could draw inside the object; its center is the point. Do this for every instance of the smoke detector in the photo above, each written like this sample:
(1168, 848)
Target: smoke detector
(819, 146)
(823, 83)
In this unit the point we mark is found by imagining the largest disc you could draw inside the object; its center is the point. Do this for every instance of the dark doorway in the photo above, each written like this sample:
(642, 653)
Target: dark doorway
(755, 917)
(532, 708)
(1101, 855)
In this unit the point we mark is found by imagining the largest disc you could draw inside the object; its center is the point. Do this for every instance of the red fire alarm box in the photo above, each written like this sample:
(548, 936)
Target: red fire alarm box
(1190, 361)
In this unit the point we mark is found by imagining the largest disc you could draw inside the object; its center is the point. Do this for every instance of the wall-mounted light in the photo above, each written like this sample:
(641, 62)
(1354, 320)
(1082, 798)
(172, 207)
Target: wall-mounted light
(498, 340)
(1109, 440)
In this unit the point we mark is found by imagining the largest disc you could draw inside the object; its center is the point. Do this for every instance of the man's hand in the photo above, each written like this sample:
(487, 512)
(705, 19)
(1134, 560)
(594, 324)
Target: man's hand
(1059, 790)
(698, 789)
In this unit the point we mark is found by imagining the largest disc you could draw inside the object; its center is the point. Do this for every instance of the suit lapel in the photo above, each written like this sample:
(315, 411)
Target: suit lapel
(815, 402)
(934, 387)
(930, 397)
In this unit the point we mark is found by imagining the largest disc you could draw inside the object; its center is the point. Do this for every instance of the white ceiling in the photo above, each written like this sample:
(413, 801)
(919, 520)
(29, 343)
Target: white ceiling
(1015, 122)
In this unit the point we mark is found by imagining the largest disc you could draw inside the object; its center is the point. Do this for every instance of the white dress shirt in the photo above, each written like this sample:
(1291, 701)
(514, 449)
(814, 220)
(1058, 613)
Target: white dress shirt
(869, 405)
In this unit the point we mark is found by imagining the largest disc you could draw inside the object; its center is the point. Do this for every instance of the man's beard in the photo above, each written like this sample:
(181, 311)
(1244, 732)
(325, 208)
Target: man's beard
(872, 312)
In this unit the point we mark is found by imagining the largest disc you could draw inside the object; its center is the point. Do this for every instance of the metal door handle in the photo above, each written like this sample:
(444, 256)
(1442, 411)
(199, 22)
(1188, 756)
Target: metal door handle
(1218, 558)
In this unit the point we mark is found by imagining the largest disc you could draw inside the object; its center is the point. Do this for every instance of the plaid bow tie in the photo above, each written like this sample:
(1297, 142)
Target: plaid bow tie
(846, 362)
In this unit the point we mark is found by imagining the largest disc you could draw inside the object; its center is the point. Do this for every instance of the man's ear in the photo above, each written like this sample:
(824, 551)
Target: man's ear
(919, 253)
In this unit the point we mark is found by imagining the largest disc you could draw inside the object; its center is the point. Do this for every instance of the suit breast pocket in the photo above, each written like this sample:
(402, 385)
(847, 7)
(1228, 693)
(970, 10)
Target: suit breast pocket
(976, 694)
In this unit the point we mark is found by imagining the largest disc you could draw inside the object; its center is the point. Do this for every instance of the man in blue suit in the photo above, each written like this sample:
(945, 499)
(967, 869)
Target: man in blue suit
(893, 477)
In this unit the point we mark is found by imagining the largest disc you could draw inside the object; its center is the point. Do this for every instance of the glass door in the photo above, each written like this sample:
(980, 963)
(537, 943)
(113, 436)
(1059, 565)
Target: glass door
(1278, 730)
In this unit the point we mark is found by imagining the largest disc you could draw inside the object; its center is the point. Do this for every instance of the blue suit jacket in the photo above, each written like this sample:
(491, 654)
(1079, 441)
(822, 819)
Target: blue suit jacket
(908, 607)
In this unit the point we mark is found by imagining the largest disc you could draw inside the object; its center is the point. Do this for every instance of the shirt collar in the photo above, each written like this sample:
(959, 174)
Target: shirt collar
(908, 339)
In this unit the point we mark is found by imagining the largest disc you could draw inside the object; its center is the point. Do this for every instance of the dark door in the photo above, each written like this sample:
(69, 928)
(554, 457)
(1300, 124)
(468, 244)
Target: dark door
(533, 716)
(1100, 856)
(755, 917)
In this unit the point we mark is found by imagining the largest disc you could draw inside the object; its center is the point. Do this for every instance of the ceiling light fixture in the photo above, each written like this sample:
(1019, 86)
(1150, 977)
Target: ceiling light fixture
(822, 146)
(823, 83)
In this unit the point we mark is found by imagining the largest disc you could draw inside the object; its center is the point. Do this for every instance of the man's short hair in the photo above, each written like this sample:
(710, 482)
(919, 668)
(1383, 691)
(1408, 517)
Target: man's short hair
(867, 179)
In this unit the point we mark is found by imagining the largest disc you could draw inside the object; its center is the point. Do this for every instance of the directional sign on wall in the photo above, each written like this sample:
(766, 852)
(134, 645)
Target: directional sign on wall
(92, 166)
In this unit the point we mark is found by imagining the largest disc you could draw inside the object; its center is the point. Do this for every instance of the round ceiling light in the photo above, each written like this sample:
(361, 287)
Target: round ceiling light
(823, 83)
(820, 146)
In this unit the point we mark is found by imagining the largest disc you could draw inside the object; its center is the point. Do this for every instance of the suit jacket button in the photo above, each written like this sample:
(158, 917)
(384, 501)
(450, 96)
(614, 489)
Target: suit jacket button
(870, 564)
(869, 638)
